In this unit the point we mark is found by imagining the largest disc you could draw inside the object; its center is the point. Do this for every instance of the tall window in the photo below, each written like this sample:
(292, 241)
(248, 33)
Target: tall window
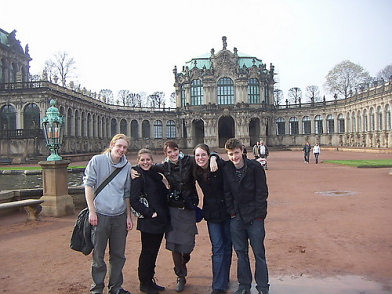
(183, 95)
(365, 121)
(359, 122)
(387, 117)
(31, 116)
(70, 125)
(379, 118)
(306, 125)
(225, 91)
(330, 124)
(170, 129)
(158, 129)
(341, 128)
(13, 73)
(146, 129)
(8, 117)
(253, 91)
(280, 126)
(348, 122)
(197, 95)
(293, 126)
(83, 125)
(372, 124)
(124, 127)
(2, 78)
(134, 129)
(113, 127)
(353, 125)
(318, 124)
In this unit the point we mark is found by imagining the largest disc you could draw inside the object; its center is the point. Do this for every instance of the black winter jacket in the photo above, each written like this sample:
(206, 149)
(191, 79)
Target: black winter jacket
(180, 177)
(151, 183)
(247, 198)
(214, 204)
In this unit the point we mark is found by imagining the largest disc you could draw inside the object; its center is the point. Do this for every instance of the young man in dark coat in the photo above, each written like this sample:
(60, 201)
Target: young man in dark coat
(246, 195)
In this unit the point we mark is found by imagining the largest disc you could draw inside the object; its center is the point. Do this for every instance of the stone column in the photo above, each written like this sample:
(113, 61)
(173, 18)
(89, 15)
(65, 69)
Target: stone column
(57, 201)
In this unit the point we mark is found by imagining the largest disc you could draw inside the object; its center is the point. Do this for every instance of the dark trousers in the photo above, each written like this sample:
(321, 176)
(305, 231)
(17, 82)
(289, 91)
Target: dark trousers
(180, 260)
(306, 156)
(148, 256)
(316, 155)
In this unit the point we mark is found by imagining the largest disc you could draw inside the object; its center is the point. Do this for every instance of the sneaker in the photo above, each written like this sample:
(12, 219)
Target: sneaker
(241, 291)
(181, 281)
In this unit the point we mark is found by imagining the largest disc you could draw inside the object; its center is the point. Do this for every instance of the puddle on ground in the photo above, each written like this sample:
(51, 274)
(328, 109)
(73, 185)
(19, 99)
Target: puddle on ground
(336, 193)
(329, 285)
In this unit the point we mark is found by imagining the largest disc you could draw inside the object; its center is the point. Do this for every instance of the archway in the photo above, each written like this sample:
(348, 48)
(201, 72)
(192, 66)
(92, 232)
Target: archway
(254, 130)
(198, 131)
(225, 129)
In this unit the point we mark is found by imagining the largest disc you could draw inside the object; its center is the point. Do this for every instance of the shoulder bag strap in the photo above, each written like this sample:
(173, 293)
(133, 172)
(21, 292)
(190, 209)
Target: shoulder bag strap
(108, 179)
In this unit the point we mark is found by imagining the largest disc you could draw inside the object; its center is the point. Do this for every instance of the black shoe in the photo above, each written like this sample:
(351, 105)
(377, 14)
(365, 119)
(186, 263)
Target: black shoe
(181, 281)
(122, 291)
(155, 286)
(218, 291)
(149, 289)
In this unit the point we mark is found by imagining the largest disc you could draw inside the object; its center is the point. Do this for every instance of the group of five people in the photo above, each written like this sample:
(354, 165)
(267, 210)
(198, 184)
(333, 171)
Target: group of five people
(234, 206)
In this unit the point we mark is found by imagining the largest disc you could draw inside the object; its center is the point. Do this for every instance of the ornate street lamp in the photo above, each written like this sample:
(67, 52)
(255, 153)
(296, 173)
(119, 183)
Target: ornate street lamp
(52, 126)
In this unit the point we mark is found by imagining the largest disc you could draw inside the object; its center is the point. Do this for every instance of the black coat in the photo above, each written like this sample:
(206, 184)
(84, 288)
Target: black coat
(180, 177)
(151, 183)
(247, 198)
(214, 204)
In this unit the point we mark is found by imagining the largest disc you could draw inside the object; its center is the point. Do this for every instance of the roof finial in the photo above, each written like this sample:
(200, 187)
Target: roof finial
(224, 42)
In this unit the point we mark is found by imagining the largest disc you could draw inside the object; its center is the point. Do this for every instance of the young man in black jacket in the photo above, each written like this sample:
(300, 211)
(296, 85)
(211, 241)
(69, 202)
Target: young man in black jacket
(246, 195)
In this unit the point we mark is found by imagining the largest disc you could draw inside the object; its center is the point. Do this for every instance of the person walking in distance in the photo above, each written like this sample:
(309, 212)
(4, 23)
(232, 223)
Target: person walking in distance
(109, 213)
(263, 152)
(306, 151)
(316, 151)
(256, 150)
(246, 194)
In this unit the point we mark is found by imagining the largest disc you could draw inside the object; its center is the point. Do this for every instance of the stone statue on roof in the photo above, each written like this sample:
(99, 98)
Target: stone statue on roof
(224, 42)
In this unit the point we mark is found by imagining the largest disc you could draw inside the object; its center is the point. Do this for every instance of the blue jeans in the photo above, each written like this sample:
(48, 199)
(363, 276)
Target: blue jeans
(241, 234)
(221, 254)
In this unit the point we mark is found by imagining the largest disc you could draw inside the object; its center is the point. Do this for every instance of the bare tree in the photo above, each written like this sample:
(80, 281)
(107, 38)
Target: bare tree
(173, 99)
(313, 93)
(107, 96)
(295, 95)
(61, 67)
(385, 73)
(278, 96)
(123, 97)
(344, 78)
(156, 99)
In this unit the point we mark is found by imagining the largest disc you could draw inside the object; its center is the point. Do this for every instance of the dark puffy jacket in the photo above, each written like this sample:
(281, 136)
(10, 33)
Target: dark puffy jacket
(151, 183)
(247, 198)
(214, 204)
(180, 177)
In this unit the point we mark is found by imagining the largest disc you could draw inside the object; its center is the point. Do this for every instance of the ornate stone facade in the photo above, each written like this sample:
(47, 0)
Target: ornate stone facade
(219, 95)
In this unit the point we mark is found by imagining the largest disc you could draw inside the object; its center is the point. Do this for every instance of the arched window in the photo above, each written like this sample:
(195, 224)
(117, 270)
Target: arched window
(348, 122)
(330, 124)
(293, 126)
(146, 129)
(359, 122)
(387, 117)
(318, 125)
(379, 118)
(77, 123)
(113, 127)
(134, 129)
(372, 120)
(306, 125)
(253, 91)
(13, 71)
(341, 128)
(31, 116)
(124, 127)
(225, 91)
(70, 125)
(170, 129)
(280, 126)
(8, 117)
(158, 129)
(353, 122)
(83, 125)
(183, 95)
(365, 121)
(89, 126)
(197, 95)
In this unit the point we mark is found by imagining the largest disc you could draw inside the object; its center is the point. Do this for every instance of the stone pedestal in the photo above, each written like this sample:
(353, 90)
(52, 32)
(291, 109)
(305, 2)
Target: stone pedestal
(57, 201)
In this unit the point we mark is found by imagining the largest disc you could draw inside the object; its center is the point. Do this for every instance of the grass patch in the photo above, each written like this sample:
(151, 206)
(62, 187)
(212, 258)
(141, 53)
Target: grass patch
(364, 163)
(35, 167)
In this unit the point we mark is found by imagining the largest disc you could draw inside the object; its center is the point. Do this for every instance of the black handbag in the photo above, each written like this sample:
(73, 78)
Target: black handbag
(81, 234)
(142, 199)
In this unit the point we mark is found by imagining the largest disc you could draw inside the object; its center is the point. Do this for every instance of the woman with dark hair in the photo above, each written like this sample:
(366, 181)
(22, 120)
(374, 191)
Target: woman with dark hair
(215, 213)
(155, 218)
(182, 201)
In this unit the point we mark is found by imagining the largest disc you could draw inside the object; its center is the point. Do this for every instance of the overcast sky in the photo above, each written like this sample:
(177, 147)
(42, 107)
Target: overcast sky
(134, 45)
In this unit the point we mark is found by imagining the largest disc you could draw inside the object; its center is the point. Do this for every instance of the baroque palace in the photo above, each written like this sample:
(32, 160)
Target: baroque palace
(219, 95)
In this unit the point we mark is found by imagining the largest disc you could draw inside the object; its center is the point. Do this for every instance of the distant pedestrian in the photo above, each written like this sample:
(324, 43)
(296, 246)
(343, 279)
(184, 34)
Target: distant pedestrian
(306, 151)
(255, 150)
(316, 152)
(264, 153)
